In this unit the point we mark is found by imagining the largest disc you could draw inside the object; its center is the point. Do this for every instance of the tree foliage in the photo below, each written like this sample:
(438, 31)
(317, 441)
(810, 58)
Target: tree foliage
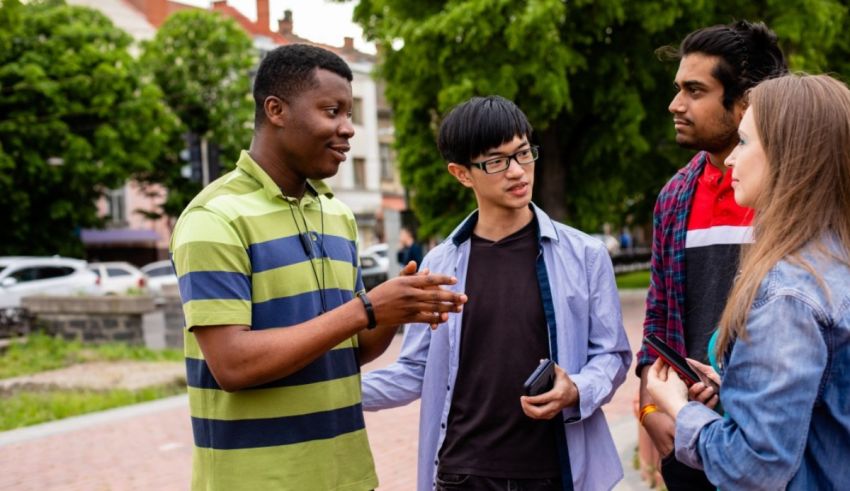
(76, 118)
(202, 61)
(585, 72)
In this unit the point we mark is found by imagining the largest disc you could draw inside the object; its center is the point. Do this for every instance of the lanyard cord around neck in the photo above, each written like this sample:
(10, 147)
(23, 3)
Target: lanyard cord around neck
(307, 244)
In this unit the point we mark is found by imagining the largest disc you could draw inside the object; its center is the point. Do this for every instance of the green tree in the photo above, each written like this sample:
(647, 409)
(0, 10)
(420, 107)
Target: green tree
(76, 118)
(202, 61)
(584, 71)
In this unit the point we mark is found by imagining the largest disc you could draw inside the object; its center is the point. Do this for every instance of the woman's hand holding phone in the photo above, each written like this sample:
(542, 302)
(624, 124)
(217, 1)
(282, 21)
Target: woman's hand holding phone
(666, 388)
(706, 390)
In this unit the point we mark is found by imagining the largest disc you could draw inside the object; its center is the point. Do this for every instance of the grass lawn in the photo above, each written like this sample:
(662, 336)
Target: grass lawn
(40, 353)
(28, 408)
(635, 279)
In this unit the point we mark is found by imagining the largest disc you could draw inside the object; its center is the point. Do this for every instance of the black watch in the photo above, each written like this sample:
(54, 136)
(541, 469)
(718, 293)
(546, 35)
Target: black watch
(370, 312)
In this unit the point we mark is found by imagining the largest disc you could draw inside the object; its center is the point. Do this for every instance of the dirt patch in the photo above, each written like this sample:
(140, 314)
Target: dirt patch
(100, 376)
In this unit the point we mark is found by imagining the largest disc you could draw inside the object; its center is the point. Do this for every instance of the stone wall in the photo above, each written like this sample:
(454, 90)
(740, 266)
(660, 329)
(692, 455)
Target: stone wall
(91, 319)
(14, 322)
(172, 309)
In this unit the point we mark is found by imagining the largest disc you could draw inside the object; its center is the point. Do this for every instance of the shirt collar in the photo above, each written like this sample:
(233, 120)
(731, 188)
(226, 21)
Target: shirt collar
(715, 178)
(545, 226)
(250, 167)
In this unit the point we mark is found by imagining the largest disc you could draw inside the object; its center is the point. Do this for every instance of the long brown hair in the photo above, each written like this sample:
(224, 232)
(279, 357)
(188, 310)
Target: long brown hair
(803, 122)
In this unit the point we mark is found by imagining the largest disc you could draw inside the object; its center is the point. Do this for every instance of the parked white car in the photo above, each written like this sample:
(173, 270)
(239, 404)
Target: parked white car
(380, 251)
(116, 277)
(24, 276)
(159, 273)
(372, 270)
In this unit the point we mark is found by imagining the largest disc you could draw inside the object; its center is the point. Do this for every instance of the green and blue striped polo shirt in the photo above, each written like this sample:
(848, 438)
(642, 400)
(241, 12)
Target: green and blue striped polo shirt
(240, 260)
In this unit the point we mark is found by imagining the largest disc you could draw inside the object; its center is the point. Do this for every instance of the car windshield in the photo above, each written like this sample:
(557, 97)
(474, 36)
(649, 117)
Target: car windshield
(161, 271)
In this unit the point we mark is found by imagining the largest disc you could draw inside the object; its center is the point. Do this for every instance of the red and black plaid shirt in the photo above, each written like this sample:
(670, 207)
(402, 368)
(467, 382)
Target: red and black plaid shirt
(665, 301)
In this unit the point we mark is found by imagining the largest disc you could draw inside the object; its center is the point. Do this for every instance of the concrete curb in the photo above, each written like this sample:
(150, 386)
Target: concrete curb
(92, 419)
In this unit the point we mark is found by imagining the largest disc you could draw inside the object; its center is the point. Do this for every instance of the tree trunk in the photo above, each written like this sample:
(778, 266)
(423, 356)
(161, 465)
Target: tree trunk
(550, 177)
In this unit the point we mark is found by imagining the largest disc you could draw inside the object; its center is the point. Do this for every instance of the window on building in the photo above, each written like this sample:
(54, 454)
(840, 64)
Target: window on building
(387, 171)
(116, 200)
(357, 111)
(359, 173)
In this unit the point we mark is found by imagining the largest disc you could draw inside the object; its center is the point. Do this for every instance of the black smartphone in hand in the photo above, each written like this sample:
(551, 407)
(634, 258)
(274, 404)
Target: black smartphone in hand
(678, 362)
(541, 380)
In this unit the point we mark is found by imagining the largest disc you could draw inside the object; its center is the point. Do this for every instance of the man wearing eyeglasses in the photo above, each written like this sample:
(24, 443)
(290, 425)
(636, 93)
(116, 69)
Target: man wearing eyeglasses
(537, 289)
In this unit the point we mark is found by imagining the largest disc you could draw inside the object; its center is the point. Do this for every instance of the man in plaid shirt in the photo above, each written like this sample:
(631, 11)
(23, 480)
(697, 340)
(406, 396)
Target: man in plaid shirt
(697, 226)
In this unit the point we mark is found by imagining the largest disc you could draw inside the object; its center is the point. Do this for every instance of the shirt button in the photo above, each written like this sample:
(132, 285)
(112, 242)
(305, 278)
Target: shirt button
(436, 462)
(443, 426)
(448, 388)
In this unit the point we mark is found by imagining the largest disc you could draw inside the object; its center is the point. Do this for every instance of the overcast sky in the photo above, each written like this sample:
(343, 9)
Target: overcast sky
(317, 20)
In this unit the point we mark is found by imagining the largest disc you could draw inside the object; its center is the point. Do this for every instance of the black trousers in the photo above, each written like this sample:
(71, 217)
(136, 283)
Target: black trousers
(680, 477)
(467, 482)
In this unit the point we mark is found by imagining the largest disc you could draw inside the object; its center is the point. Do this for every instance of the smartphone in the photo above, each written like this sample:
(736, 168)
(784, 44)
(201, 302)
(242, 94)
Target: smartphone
(678, 362)
(541, 380)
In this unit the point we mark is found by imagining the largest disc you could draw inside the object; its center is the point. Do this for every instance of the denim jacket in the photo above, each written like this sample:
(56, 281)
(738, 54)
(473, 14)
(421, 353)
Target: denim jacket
(785, 389)
(586, 337)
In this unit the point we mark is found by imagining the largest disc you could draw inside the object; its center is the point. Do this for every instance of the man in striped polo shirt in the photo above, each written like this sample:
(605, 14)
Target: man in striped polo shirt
(698, 227)
(277, 320)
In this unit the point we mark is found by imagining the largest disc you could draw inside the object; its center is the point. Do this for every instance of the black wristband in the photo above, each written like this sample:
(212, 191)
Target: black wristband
(370, 312)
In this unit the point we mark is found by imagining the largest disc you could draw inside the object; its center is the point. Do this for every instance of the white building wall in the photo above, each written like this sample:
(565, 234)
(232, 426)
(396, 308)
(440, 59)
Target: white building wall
(364, 202)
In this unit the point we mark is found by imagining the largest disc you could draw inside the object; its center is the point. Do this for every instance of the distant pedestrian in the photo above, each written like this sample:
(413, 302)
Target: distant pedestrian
(783, 347)
(409, 249)
(626, 241)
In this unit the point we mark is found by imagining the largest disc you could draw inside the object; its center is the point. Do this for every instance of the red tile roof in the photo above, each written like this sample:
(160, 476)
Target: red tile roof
(251, 27)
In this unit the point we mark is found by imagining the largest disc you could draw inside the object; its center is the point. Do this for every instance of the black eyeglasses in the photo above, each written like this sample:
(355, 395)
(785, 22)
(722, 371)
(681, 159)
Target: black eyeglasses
(501, 164)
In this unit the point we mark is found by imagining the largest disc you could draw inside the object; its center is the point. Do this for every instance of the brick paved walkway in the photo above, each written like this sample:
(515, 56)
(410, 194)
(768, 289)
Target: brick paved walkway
(150, 449)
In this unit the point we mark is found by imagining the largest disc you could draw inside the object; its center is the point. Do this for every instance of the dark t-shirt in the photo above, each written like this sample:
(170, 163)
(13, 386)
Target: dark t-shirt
(503, 338)
(717, 227)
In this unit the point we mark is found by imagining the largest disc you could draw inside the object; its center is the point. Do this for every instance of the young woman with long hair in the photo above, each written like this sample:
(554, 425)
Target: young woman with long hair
(783, 344)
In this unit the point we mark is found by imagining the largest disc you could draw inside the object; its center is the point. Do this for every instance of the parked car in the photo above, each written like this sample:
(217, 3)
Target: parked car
(115, 278)
(381, 253)
(159, 273)
(24, 276)
(373, 272)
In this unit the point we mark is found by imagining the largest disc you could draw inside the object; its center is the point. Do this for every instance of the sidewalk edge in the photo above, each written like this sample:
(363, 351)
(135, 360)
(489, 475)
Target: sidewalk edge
(86, 420)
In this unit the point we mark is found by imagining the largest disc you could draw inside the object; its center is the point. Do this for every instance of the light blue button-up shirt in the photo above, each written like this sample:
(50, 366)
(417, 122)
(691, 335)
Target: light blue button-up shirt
(586, 339)
(785, 390)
